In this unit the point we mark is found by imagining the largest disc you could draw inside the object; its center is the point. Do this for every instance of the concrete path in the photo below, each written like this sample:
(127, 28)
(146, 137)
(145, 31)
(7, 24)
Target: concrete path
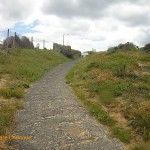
(56, 120)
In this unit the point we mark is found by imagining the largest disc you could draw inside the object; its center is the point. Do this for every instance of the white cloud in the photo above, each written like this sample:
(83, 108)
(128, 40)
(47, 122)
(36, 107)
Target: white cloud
(131, 13)
(90, 23)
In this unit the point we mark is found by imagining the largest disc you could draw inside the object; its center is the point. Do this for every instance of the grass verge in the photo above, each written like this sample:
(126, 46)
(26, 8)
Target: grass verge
(116, 84)
(18, 70)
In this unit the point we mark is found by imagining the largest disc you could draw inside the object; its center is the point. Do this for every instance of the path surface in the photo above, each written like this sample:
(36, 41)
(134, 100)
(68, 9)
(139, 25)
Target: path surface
(56, 120)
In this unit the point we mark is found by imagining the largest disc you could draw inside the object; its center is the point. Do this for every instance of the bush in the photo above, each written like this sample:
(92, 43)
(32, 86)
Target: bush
(23, 42)
(66, 50)
(123, 47)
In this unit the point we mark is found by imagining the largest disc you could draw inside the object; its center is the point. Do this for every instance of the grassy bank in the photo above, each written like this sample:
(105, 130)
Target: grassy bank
(18, 70)
(116, 89)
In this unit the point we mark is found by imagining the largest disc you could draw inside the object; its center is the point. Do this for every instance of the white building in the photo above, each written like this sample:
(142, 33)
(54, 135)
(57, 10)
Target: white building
(84, 54)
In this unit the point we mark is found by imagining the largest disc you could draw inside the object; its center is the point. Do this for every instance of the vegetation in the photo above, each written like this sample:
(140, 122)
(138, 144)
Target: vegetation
(122, 134)
(147, 48)
(66, 51)
(117, 85)
(17, 42)
(123, 47)
(18, 70)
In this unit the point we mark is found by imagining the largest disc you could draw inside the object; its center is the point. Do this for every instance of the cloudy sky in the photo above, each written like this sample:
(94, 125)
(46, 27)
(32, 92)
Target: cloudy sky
(91, 24)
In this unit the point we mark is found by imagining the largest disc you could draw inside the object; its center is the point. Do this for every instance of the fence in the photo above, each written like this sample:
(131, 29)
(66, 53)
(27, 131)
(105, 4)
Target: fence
(10, 39)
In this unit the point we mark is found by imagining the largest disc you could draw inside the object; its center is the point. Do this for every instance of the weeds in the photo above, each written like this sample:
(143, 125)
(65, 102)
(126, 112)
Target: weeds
(7, 112)
(121, 70)
(9, 92)
(102, 116)
(5, 122)
(122, 134)
(90, 66)
(139, 117)
(118, 88)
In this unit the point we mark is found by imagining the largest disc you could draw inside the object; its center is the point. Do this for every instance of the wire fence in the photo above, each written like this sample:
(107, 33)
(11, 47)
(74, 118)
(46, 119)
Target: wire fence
(9, 36)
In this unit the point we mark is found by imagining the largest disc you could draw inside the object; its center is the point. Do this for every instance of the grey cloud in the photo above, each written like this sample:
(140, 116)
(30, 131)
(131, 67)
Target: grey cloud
(78, 27)
(15, 9)
(96, 9)
(77, 8)
(144, 37)
(136, 19)
(131, 13)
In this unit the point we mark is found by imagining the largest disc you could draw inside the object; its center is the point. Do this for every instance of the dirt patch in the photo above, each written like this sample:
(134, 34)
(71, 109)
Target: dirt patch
(75, 131)
(4, 80)
(120, 118)
(145, 68)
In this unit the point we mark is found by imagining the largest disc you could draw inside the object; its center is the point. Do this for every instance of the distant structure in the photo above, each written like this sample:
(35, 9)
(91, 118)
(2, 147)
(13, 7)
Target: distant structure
(1, 45)
(59, 47)
(38, 46)
(66, 50)
(84, 54)
(17, 42)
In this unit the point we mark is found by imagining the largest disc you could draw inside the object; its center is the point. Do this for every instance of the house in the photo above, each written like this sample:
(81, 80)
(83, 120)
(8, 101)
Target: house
(84, 54)
(1, 44)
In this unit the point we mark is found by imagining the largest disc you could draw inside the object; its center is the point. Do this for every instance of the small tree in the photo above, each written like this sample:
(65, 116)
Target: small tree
(123, 47)
(26, 42)
(16, 42)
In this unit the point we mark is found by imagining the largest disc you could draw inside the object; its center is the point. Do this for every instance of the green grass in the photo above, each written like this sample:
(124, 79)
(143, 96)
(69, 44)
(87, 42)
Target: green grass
(101, 115)
(7, 113)
(95, 109)
(29, 64)
(105, 78)
(9, 93)
(122, 134)
(20, 68)
(106, 97)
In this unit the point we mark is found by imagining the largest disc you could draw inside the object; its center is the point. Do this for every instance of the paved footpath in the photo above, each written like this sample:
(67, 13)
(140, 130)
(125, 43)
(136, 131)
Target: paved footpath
(56, 119)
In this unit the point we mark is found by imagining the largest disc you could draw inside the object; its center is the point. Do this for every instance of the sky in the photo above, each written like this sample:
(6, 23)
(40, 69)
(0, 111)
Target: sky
(85, 24)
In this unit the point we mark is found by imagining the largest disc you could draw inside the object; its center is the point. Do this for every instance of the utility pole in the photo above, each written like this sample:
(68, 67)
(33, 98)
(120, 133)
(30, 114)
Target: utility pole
(43, 44)
(7, 39)
(64, 38)
(14, 40)
(32, 39)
